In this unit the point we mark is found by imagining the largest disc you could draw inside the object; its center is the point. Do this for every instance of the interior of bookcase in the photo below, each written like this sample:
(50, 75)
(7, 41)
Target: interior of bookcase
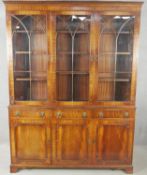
(115, 58)
(30, 54)
(72, 57)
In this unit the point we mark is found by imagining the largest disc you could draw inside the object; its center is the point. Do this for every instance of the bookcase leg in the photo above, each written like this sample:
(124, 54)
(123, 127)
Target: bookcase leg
(13, 169)
(128, 170)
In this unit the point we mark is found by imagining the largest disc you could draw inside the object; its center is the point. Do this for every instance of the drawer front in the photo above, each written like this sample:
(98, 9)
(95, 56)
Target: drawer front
(30, 113)
(72, 114)
(114, 113)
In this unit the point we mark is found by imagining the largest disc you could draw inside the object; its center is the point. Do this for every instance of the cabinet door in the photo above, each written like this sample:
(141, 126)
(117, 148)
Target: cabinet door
(114, 140)
(71, 142)
(30, 57)
(73, 66)
(115, 57)
(29, 141)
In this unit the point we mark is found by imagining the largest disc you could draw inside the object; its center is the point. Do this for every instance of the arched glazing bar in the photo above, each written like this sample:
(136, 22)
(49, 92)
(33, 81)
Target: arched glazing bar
(72, 27)
(20, 22)
(128, 23)
(30, 54)
(106, 55)
(115, 42)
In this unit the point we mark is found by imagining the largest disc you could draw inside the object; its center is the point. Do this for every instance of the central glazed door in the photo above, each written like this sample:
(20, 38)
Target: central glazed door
(71, 63)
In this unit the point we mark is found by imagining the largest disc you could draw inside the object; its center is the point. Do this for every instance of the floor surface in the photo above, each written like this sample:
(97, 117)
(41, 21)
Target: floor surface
(140, 165)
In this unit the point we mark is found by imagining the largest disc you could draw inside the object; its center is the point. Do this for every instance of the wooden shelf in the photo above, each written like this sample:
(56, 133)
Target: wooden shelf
(22, 52)
(32, 31)
(68, 32)
(30, 71)
(124, 32)
(21, 71)
(123, 72)
(31, 79)
(114, 73)
(75, 53)
(115, 80)
(123, 53)
(73, 72)
(117, 53)
(23, 79)
(31, 52)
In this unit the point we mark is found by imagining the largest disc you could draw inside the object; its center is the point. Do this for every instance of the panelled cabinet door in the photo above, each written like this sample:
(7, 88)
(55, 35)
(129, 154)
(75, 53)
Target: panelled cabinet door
(114, 142)
(71, 142)
(29, 140)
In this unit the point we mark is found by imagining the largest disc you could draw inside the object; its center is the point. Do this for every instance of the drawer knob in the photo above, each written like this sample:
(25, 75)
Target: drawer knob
(84, 115)
(126, 114)
(101, 114)
(59, 115)
(42, 114)
(17, 114)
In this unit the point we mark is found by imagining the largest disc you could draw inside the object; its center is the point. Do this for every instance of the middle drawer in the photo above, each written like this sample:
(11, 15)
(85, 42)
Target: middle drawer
(72, 113)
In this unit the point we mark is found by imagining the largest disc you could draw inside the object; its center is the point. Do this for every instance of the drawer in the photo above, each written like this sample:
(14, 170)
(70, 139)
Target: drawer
(30, 113)
(72, 113)
(114, 113)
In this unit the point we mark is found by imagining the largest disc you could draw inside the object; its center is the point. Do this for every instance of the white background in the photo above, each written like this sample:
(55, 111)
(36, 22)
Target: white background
(141, 117)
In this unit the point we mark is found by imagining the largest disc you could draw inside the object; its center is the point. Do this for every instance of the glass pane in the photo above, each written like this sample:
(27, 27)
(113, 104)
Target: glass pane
(115, 58)
(72, 57)
(81, 87)
(30, 54)
(64, 89)
(81, 62)
(22, 90)
(22, 85)
(122, 86)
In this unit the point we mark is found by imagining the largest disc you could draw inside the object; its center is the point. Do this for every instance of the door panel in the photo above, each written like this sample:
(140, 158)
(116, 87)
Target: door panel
(114, 140)
(72, 141)
(33, 144)
(29, 138)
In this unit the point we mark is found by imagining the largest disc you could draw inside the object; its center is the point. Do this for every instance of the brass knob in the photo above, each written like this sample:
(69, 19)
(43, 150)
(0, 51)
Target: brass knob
(59, 115)
(126, 114)
(84, 115)
(101, 115)
(42, 114)
(17, 114)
